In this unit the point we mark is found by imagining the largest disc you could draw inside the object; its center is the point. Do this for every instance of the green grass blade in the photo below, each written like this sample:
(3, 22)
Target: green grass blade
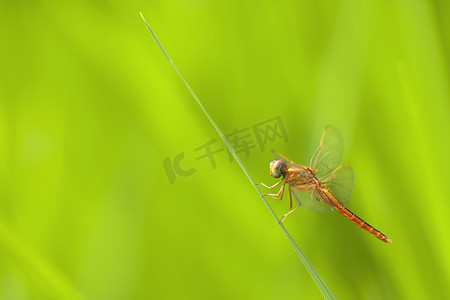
(326, 292)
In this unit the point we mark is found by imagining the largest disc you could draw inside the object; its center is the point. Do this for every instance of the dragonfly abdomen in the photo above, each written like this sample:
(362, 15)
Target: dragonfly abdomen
(364, 225)
(357, 220)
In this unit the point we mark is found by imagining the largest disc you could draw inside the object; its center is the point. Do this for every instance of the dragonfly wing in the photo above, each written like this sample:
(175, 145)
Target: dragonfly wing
(309, 201)
(340, 183)
(329, 154)
(288, 162)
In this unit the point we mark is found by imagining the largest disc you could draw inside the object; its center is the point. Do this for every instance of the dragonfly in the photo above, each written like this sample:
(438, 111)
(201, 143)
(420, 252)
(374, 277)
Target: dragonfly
(324, 186)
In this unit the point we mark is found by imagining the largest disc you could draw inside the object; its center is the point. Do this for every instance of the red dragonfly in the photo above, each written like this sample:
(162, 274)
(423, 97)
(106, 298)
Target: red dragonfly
(322, 187)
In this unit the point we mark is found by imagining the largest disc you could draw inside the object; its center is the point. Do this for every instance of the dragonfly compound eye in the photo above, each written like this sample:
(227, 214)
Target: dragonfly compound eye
(275, 168)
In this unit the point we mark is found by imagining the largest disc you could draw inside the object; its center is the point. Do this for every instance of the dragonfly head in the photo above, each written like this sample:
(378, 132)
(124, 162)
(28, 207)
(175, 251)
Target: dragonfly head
(277, 168)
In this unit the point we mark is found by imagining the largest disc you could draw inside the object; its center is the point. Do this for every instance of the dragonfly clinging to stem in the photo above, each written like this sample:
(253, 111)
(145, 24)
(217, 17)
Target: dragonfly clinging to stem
(324, 186)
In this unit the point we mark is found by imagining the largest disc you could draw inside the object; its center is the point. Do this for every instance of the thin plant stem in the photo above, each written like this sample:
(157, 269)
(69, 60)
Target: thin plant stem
(326, 292)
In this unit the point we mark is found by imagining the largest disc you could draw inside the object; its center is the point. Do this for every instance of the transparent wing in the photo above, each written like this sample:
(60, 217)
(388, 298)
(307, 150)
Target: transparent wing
(308, 200)
(288, 162)
(340, 183)
(329, 154)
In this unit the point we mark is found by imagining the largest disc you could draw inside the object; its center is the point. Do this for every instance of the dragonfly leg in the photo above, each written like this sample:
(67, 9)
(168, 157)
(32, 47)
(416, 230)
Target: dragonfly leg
(279, 195)
(296, 198)
(290, 199)
(288, 213)
(290, 206)
(271, 187)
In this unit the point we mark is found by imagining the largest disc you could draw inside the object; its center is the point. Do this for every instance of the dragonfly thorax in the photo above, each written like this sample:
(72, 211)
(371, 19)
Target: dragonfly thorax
(277, 168)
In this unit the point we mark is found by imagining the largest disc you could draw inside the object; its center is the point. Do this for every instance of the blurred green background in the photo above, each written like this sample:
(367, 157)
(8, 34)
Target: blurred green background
(92, 119)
